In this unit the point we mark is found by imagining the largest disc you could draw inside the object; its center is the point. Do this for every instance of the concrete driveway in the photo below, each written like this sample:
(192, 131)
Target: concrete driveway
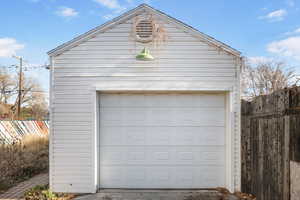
(155, 195)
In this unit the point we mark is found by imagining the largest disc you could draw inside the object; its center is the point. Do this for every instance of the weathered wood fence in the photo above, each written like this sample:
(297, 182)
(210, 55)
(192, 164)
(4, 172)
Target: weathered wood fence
(270, 140)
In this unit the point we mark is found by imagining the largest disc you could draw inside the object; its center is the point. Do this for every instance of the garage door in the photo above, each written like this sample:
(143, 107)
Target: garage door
(162, 140)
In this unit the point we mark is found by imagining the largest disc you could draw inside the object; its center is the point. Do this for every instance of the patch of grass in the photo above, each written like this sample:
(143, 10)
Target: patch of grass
(42, 192)
(23, 160)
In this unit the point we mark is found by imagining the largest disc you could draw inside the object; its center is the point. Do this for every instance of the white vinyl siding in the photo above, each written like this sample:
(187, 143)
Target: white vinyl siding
(108, 61)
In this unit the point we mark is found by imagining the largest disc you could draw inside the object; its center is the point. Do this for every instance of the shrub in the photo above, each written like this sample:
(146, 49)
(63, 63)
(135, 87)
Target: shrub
(23, 160)
(42, 192)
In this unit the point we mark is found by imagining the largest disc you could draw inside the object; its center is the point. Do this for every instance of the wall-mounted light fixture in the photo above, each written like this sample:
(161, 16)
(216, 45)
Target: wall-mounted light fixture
(145, 55)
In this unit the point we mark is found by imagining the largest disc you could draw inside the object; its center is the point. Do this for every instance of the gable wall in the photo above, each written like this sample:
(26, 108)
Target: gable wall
(108, 60)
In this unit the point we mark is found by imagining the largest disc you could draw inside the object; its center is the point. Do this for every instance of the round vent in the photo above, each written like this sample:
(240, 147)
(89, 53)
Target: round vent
(144, 31)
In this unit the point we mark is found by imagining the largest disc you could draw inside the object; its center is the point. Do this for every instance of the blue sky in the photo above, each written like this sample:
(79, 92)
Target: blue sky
(260, 29)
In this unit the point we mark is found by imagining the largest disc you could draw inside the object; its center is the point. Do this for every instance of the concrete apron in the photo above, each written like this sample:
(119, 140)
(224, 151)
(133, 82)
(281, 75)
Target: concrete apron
(119, 194)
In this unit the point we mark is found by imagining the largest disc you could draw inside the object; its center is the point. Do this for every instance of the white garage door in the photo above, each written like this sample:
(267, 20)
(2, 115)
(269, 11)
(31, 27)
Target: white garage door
(162, 140)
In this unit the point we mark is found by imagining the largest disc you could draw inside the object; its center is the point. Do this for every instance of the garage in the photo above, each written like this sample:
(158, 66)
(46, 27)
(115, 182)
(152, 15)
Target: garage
(144, 101)
(162, 140)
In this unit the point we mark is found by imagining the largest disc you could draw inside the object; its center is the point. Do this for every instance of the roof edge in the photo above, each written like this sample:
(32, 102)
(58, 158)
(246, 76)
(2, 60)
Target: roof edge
(95, 30)
(67, 45)
(207, 37)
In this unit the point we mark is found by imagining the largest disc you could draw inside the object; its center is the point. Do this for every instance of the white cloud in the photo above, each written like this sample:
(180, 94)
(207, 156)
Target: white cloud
(67, 12)
(277, 15)
(295, 32)
(9, 47)
(111, 4)
(289, 47)
(115, 6)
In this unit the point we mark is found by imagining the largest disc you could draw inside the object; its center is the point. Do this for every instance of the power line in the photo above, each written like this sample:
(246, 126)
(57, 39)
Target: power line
(16, 92)
(27, 67)
(20, 74)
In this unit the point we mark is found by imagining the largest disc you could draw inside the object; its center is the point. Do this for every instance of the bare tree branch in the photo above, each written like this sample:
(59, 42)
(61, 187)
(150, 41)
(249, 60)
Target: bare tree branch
(266, 77)
(6, 86)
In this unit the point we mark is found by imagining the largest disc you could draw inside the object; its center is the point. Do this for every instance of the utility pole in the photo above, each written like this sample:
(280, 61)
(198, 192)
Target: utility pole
(20, 85)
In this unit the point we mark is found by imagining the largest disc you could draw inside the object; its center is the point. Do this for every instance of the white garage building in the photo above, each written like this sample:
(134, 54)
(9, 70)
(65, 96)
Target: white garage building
(167, 117)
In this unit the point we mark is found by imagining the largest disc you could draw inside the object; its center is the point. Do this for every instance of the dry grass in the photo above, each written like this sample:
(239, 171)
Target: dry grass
(23, 160)
(222, 194)
(42, 192)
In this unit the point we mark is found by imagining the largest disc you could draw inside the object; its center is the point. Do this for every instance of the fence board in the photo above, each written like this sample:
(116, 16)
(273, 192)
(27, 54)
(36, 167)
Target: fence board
(270, 140)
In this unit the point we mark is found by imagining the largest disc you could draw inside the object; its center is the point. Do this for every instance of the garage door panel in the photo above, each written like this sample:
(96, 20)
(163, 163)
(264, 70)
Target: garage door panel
(162, 100)
(112, 156)
(111, 135)
(160, 135)
(118, 135)
(112, 177)
(185, 177)
(130, 114)
(208, 117)
(162, 140)
(197, 135)
(212, 176)
(123, 100)
(133, 100)
(123, 114)
(214, 157)
(110, 117)
(136, 176)
(108, 100)
(162, 116)
(160, 155)
(123, 156)
(134, 136)
(196, 100)
(161, 177)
